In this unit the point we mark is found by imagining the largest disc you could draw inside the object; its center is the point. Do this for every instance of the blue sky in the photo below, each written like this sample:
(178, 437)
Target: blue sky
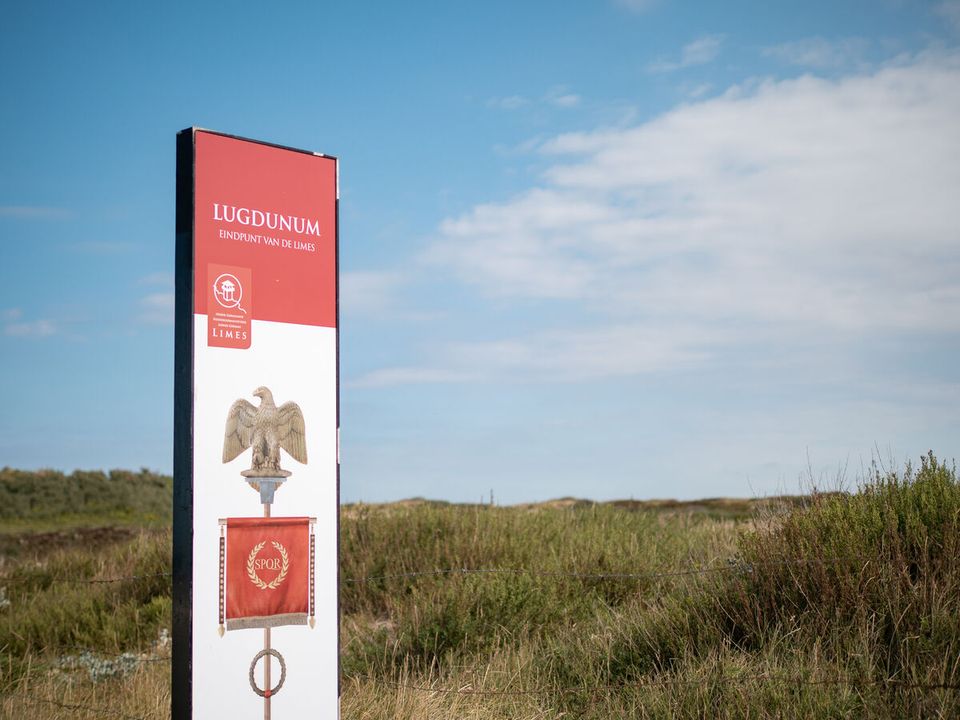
(634, 248)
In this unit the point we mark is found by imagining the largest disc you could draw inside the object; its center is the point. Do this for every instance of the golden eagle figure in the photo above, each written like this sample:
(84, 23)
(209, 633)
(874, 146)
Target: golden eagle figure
(266, 429)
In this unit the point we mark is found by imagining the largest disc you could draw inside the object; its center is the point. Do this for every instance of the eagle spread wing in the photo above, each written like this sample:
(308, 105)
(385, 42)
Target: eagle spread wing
(290, 431)
(239, 431)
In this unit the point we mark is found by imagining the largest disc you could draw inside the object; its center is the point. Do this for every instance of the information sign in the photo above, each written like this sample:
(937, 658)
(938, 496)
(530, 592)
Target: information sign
(256, 466)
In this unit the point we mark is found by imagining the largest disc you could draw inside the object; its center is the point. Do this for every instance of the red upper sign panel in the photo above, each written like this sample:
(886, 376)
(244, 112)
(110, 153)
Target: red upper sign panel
(264, 226)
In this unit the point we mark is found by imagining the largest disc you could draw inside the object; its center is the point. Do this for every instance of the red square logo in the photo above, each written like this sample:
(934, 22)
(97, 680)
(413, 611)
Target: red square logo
(229, 306)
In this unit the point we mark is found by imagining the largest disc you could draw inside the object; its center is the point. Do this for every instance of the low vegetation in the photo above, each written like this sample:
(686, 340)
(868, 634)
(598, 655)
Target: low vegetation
(844, 605)
(51, 500)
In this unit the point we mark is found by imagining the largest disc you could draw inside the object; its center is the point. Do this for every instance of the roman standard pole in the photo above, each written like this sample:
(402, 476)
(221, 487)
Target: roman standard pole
(266, 646)
(267, 487)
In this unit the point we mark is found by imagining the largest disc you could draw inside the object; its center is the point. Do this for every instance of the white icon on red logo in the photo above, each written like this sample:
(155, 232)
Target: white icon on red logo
(228, 291)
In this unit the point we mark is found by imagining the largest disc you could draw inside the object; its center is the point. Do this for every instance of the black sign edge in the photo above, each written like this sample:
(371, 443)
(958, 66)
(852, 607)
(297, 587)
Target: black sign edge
(181, 690)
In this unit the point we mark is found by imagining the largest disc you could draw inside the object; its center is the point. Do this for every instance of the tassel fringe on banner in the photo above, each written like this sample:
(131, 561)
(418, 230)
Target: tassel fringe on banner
(222, 558)
(266, 621)
(313, 605)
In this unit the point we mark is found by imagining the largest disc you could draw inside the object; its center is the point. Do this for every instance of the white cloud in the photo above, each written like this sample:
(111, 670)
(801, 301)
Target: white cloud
(698, 91)
(950, 11)
(157, 308)
(568, 100)
(36, 328)
(369, 292)
(701, 51)
(388, 377)
(820, 53)
(559, 356)
(781, 214)
(510, 102)
(11, 314)
(161, 279)
(523, 248)
(561, 97)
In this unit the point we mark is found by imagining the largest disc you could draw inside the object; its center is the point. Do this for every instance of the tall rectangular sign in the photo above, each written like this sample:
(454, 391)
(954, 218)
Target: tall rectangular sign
(256, 467)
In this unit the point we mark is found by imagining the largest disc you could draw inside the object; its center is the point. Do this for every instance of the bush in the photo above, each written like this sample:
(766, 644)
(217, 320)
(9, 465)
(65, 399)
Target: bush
(49, 494)
(886, 556)
(859, 588)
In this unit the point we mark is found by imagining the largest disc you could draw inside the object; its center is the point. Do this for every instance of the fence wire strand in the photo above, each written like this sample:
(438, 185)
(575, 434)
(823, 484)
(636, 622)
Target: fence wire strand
(729, 565)
(78, 581)
(101, 711)
(661, 682)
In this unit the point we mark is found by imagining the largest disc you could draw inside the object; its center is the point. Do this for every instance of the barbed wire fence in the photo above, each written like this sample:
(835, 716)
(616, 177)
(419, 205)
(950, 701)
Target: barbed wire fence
(733, 564)
(663, 682)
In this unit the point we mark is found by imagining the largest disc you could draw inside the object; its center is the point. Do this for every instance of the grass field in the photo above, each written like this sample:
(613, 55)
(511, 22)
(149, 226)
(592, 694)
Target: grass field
(840, 605)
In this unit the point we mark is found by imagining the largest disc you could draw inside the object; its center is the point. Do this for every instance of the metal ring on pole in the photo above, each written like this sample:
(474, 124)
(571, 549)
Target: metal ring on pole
(283, 673)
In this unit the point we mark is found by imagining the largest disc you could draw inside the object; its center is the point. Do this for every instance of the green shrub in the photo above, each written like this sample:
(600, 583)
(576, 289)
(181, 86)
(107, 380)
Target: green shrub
(49, 494)
(886, 556)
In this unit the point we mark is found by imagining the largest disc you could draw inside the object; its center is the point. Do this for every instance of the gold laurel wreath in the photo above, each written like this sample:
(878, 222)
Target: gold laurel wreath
(252, 574)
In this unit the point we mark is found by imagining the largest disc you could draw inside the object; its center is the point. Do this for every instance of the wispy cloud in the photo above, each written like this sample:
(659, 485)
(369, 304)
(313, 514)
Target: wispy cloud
(510, 102)
(389, 377)
(34, 329)
(777, 215)
(157, 308)
(701, 51)
(558, 356)
(15, 326)
(698, 91)
(820, 53)
(369, 292)
(559, 96)
(524, 147)
(950, 11)
(34, 212)
(159, 279)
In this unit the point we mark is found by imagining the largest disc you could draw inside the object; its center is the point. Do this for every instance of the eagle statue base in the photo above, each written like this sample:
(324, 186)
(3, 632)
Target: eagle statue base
(266, 485)
(255, 474)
